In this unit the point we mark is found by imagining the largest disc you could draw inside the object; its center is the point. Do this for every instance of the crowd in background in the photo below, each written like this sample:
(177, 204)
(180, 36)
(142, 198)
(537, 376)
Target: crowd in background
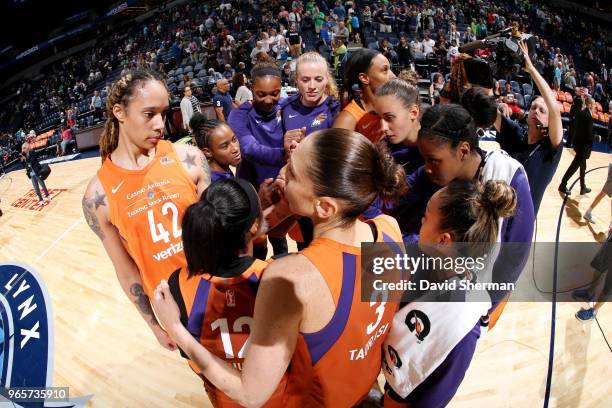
(225, 36)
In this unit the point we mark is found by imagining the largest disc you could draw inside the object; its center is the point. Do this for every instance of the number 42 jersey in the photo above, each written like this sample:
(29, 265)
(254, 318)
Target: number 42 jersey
(147, 206)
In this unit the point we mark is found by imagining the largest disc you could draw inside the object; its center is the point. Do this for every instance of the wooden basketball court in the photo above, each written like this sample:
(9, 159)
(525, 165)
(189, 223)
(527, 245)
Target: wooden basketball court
(103, 347)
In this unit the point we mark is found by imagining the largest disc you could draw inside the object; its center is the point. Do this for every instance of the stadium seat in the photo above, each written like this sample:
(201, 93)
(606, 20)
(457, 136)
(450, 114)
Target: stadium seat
(187, 69)
(178, 71)
(520, 100)
(566, 107)
(190, 74)
(515, 87)
(527, 89)
(170, 80)
(527, 101)
(502, 85)
(181, 85)
(198, 67)
(171, 72)
(201, 73)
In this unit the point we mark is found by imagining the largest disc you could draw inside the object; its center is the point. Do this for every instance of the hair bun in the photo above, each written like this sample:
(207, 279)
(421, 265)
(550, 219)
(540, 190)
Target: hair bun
(499, 197)
(390, 178)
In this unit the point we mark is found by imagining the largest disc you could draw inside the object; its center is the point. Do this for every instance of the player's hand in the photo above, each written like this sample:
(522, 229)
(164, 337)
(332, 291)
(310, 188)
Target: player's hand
(293, 135)
(266, 193)
(525, 52)
(290, 149)
(167, 313)
(164, 339)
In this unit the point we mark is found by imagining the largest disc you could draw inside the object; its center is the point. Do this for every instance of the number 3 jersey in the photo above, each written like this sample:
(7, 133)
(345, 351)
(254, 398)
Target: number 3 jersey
(147, 206)
(218, 312)
(336, 366)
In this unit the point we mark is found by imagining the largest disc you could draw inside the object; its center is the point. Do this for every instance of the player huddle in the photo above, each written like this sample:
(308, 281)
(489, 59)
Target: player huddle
(292, 330)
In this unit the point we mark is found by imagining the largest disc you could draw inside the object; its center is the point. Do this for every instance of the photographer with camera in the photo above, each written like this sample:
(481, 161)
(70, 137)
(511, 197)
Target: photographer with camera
(536, 146)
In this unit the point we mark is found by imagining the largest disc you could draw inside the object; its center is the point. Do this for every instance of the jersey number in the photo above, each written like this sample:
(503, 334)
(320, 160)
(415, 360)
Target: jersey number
(380, 311)
(158, 232)
(222, 325)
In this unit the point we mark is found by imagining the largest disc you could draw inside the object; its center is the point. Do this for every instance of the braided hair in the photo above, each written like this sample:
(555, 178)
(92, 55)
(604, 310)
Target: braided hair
(203, 128)
(121, 92)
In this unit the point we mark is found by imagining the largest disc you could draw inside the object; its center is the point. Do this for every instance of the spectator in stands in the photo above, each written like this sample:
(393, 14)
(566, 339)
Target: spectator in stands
(67, 138)
(222, 101)
(340, 11)
(536, 146)
(386, 49)
(416, 46)
(33, 169)
(239, 87)
(435, 88)
(583, 143)
(189, 105)
(342, 31)
(295, 41)
(468, 36)
(339, 51)
(258, 49)
(228, 73)
(404, 54)
(96, 104)
(428, 45)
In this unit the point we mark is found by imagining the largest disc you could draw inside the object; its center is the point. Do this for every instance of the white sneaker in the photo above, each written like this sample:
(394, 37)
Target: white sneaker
(589, 217)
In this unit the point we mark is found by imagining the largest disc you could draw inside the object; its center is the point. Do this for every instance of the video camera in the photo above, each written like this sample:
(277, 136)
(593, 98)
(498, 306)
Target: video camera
(506, 57)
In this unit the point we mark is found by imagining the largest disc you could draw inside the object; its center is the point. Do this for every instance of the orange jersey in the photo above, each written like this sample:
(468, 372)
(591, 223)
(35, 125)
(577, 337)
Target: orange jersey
(336, 366)
(368, 124)
(147, 206)
(218, 312)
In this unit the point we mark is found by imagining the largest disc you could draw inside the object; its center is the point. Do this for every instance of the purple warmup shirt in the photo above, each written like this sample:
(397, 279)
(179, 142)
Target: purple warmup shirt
(296, 115)
(261, 142)
(220, 175)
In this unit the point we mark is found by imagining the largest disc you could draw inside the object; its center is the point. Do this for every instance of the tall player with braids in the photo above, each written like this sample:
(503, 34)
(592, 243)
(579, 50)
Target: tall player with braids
(136, 201)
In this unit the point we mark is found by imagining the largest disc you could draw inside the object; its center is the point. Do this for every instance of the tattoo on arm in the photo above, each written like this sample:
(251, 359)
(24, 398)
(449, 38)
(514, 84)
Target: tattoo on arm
(99, 200)
(205, 169)
(89, 211)
(189, 161)
(142, 302)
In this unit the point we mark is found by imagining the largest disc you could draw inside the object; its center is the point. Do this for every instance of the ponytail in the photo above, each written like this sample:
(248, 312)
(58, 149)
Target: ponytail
(470, 210)
(215, 228)
(347, 166)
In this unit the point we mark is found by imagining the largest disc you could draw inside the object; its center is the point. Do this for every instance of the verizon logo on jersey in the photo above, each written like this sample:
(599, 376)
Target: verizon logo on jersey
(173, 249)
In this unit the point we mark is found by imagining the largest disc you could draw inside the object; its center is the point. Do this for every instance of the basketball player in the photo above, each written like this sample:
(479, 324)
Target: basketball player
(308, 310)
(136, 201)
(428, 373)
(448, 143)
(316, 104)
(314, 107)
(258, 127)
(365, 71)
(220, 147)
(399, 106)
(216, 293)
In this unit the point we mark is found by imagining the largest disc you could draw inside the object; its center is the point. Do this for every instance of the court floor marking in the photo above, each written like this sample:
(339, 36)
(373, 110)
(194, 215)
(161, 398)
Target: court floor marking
(58, 239)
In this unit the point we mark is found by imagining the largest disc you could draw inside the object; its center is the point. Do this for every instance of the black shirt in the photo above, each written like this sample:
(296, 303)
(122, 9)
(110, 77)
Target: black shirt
(540, 160)
(294, 37)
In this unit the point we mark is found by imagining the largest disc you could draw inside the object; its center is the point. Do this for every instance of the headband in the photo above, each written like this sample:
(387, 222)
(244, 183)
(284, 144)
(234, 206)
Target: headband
(264, 71)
